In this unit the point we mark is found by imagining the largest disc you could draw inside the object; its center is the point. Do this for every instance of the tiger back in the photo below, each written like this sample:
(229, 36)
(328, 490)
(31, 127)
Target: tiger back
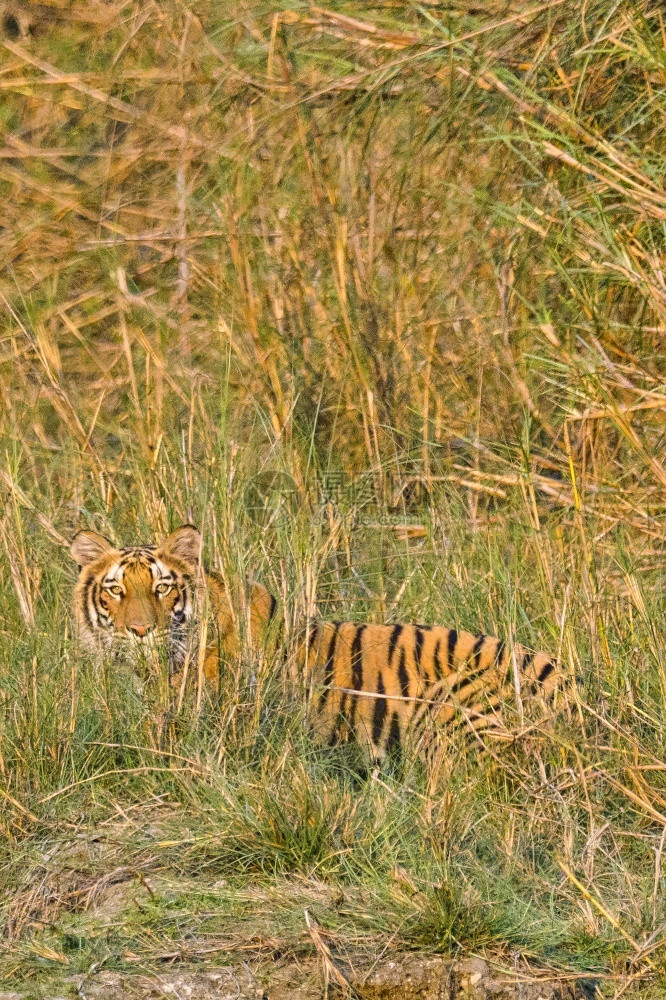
(384, 685)
(132, 600)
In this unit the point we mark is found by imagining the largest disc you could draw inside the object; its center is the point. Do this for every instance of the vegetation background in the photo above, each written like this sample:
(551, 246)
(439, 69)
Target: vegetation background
(416, 245)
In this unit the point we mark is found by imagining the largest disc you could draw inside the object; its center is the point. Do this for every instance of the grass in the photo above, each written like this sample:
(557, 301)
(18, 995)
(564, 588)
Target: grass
(410, 257)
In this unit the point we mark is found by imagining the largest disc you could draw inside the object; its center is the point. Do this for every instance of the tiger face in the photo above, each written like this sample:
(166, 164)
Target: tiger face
(133, 597)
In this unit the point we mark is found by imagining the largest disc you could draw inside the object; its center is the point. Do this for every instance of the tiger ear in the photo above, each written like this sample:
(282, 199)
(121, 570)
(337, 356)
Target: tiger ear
(183, 543)
(88, 546)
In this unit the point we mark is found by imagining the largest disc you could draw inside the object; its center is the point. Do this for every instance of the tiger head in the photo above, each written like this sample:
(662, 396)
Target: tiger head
(134, 595)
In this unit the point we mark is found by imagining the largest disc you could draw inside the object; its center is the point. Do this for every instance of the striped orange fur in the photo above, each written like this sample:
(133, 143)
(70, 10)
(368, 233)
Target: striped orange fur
(384, 684)
(129, 599)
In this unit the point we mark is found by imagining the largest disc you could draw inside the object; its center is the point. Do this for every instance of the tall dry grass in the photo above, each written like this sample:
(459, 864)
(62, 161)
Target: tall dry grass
(417, 244)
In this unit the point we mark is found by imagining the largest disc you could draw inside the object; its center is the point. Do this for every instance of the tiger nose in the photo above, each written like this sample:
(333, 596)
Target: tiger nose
(140, 630)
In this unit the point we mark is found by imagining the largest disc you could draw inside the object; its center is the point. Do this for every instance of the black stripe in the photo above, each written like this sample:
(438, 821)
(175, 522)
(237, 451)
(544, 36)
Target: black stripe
(534, 686)
(353, 702)
(460, 723)
(546, 671)
(418, 646)
(379, 712)
(328, 670)
(271, 613)
(452, 643)
(96, 600)
(84, 602)
(357, 659)
(356, 663)
(467, 679)
(393, 641)
(402, 676)
(526, 662)
(499, 652)
(184, 596)
(427, 710)
(476, 652)
(393, 738)
(437, 663)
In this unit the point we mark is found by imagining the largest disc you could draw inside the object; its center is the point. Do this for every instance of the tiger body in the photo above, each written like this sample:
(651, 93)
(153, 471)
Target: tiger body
(136, 599)
(386, 684)
(382, 685)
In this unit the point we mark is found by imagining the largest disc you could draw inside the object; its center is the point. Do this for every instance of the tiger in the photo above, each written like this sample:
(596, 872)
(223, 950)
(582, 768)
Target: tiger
(379, 685)
(387, 686)
(129, 599)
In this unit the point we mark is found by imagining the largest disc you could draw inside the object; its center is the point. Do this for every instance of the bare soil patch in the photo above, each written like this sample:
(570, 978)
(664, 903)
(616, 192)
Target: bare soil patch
(405, 976)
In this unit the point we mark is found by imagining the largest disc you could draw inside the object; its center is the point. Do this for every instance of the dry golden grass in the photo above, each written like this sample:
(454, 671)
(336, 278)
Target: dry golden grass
(418, 244)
